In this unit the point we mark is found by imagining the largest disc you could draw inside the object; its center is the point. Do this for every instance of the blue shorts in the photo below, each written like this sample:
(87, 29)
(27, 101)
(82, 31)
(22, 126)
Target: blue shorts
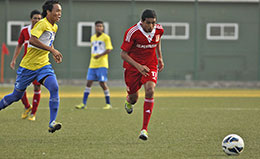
(97, 74)
(25, 77)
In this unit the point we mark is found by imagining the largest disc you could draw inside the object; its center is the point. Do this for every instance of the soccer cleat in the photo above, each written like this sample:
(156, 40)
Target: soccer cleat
(108, 106)
(129, 107)
(54, 126)
(143, 135)
(26, 112)
(32, 117)
(81, 106)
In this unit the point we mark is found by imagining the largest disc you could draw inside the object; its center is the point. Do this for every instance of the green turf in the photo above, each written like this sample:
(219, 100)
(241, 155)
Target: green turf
(180, 128)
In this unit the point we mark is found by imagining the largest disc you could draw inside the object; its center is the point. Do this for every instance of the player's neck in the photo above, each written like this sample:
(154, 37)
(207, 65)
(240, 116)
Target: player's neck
(98, 34)
(49, 20)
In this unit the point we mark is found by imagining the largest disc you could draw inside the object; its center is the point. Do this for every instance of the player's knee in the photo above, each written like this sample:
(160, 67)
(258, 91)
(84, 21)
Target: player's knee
(17, 95)
(89, 83)
(149, 92)
(17, 98)
(54, 88)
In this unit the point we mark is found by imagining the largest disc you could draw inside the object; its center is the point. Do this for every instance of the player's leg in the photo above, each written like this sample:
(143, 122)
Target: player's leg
(47, 77)
(10, 98)
(102, 78)
(27, 106)
(148, 107)
(107, 94)
(25, 101)
(149, 85)
(87, 90)
(91, 77)
(133, 84)
(50, 82)
(131, 99)
(24, 79)
(36, 100)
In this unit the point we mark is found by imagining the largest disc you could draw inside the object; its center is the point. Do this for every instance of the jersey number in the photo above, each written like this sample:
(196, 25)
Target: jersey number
(154, 75)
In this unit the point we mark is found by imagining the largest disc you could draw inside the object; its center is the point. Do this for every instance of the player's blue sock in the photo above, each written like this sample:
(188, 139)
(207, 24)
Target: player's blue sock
(86, 93)
(10, 98)
(52, 85)
(107, 96)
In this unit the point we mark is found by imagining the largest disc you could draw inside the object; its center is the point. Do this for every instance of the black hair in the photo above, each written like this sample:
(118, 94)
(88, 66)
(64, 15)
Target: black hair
(48, 5)
(148, 13)
(34, 12)
(98, 22)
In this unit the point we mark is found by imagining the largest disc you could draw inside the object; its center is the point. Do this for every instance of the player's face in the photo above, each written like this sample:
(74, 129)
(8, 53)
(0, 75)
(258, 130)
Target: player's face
(99, 28)
(56, 12)
(36, 18)
(148, 24)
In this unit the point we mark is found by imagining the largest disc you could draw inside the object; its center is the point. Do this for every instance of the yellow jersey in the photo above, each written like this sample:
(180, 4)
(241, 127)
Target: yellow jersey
(98, 46)
(37, 58)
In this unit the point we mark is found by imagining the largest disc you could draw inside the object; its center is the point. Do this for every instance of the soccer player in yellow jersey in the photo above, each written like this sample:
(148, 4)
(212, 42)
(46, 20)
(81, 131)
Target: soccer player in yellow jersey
(36, 66)
(101, 46)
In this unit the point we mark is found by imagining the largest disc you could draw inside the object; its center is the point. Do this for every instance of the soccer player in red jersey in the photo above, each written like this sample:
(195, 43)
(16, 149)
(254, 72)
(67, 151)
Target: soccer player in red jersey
(141, 43)
(24, 37)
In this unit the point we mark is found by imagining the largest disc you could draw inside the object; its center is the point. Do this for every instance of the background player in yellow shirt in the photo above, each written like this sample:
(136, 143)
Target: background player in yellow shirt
(101, 46)
(35, 64)
(24, 37)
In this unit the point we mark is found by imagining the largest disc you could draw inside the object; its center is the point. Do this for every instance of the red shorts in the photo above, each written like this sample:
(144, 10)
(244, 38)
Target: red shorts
(35, 82)
(134, 79)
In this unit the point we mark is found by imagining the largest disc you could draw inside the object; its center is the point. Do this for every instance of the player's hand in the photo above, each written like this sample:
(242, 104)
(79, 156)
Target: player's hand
(97, 56)
(57, 56)
(12, 64)
(160, 64)
(144, 70)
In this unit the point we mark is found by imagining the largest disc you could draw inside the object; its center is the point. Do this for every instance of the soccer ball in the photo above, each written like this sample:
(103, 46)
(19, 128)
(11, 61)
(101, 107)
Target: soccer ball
(233, 144)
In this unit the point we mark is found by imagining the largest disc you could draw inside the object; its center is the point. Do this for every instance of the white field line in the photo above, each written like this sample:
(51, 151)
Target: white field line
(138, 108)
(203, 94)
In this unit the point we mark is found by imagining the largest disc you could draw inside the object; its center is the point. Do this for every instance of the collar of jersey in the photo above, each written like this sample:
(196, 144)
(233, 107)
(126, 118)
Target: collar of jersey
(150, 35)
(99, 36)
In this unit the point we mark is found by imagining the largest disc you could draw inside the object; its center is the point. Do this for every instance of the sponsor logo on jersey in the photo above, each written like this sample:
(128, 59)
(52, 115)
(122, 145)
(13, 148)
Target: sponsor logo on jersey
(149, 46)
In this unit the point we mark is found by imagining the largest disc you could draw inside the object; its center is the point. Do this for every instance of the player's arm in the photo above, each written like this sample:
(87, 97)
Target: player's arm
(16, 54)
(53, 55)
(104, 53)
(159, 56)
(141, 68)
(56, 54)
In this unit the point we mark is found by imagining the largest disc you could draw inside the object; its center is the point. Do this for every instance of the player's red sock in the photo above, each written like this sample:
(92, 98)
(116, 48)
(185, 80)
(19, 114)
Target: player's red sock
(36, 100)
(25, 101)
(148, 108)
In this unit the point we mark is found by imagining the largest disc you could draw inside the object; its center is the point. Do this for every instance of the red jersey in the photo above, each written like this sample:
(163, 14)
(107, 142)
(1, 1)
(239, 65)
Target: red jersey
(24, 37)
(141, 46)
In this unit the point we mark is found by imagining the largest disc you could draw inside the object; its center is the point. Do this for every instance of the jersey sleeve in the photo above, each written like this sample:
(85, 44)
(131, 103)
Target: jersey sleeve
(108, 43)
(38, 29)
(21, 38)
(158, 26)
(128, 42)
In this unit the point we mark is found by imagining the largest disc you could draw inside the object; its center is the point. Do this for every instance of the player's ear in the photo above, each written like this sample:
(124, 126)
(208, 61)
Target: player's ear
(48, 12)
